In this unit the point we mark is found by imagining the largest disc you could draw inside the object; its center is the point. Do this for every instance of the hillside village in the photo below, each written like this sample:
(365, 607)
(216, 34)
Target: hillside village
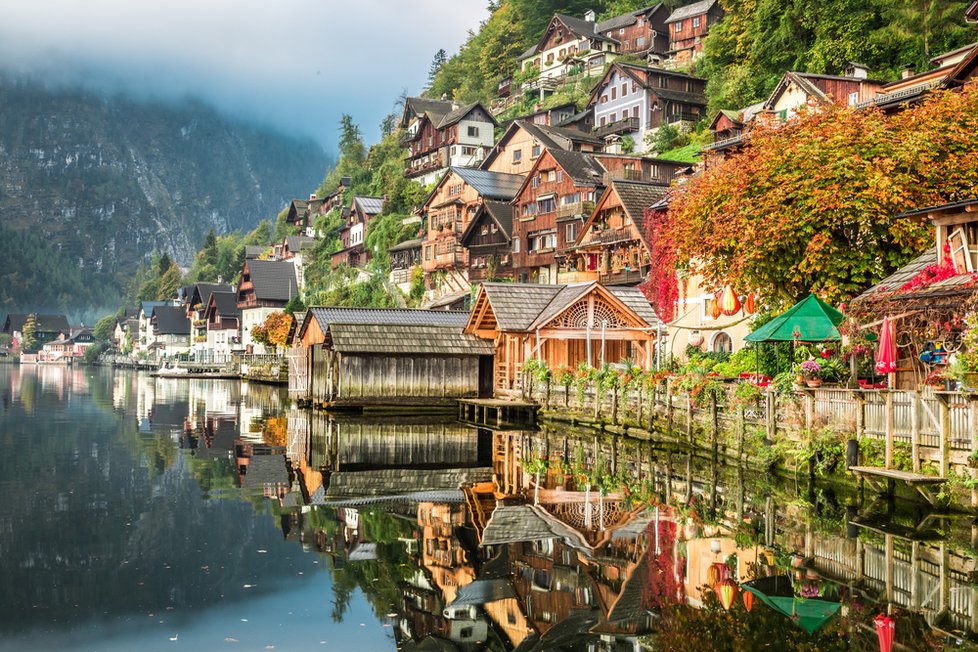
(563, 195)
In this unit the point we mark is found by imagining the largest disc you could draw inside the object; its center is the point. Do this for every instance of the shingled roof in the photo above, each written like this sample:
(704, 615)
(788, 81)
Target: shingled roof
(170, 320)
(406, 339)
(327, 315)
(491, 185)
(582, 168)
(636, 196)
(44, 323)
(695, 9)
(274, 280)
(225, 304)
(369, 205)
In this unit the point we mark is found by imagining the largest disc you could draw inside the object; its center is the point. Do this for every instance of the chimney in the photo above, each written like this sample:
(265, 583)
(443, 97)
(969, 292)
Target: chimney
(454, 105)
(589, 15)
(856, 70)
(908, 71)
(312, 196)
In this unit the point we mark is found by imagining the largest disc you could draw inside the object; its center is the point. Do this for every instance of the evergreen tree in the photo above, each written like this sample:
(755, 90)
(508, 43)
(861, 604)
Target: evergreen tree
(29, 333)
(436, 63)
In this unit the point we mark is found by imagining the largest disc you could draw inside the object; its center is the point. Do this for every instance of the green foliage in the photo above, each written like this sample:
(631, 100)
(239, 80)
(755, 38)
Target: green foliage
(105, 328)
(158, 280)
(93, 352)
(28, 333)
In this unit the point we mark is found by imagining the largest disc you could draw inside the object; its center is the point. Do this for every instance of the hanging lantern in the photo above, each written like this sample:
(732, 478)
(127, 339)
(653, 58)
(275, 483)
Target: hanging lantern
(885, 627)
(748, 601)
(696, 339)
(749, 306)
(717, 572)
(729, 302)
(726, 591)
(716, 311)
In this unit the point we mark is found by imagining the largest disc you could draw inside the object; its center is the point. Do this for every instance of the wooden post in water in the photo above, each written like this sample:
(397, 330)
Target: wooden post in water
(915, 430)
(973, 429)
(689, 418)
(714, 423)
(888, 427)
(741, 431)
(945, 434)
(669, 409)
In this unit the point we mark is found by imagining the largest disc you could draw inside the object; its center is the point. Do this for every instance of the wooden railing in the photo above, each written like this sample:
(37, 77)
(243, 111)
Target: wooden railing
(624, 126)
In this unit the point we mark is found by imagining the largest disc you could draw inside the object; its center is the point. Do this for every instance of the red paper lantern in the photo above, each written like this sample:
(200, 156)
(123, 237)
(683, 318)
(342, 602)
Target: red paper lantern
(749, 306)
(885, 627)
(748, 600)
(727, 592)
(730, 302)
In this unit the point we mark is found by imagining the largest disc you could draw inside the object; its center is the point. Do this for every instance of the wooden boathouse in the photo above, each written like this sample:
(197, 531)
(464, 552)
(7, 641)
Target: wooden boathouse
(562, 325)
(357, 357)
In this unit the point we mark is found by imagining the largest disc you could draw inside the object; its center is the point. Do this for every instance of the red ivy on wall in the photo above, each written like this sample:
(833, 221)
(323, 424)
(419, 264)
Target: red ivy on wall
(662, 286)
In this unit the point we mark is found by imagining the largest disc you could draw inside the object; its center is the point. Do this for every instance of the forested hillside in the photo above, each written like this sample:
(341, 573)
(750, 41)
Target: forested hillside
(90, 186)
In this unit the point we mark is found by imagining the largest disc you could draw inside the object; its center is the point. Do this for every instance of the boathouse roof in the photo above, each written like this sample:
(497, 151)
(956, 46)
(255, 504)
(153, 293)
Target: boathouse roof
(326, 315)
(387, 339)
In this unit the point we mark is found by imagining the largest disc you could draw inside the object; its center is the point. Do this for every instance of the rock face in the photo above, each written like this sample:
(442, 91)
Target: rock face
(105, 181)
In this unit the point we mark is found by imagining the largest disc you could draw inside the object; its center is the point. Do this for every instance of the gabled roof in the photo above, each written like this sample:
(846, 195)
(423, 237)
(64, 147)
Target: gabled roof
(326, 315)
(548, 137)
(45, 323)
(804, 81)
(147, 307)
(202, 292)
(624, 20)
(254, 251)
(490, 185)
(422, 105)
(170, 320)
(524, 307)
(635, 197)
(580, 27)
(642, 75)
(582, 168)
(274, 280)
(225, 304)
(368, 205)
(298, 208)
(688, 11)
(455, 115)
(558, 133)
(297, 243)
(406, 339)
(499, 212)
(407, 244)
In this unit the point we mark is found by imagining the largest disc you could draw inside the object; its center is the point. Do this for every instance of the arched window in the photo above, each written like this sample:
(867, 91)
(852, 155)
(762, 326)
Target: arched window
(721, 343)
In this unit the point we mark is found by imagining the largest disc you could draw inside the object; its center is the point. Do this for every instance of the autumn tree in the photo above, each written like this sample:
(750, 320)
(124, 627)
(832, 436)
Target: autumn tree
(274, 331)
(810, 206)
(28, 333)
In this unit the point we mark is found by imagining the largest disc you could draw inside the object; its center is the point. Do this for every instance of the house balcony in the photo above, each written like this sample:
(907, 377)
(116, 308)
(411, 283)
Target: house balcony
(724, 143)
(628, 125)
(576, 277)
(416, 169)
(624, 175)
(623, 277)
(683, 116)
(541, 83)
(577, 209)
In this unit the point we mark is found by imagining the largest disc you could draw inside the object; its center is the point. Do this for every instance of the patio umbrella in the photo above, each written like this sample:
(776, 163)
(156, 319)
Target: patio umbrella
(886, 354)
(777, 592)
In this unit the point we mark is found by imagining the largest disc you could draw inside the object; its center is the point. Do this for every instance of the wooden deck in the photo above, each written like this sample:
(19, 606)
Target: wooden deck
(882, 480)
(494, 413)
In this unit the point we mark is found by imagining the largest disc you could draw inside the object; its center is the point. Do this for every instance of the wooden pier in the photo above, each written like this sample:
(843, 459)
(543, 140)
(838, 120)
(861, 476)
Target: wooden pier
(883, 480)
(495, 413)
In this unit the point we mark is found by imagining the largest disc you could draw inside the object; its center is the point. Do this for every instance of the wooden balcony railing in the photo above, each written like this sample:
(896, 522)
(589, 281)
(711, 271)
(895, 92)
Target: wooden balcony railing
(577, 209)
(618, 127)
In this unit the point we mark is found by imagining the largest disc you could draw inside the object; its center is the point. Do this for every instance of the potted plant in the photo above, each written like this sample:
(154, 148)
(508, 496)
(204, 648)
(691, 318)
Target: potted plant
(811, 371)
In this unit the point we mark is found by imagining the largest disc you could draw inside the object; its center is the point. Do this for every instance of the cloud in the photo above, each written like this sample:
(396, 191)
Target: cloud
(294, 64)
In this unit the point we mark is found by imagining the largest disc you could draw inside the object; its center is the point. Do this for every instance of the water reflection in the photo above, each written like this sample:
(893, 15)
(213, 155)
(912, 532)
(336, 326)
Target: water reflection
(207, 507)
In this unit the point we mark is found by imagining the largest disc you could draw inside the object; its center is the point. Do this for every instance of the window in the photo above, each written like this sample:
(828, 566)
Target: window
(570, 232)
(621, 31)
(516, 245)
(536, 181)
(635, 112)
(484, 229)
(604, 99)
(614, 116)
(721, 343)
(517, 155)
(602, 121)
(548, 205)
(468, 151)
(473, 132)
(640, 41)
(654, 171)
(427, 253)
(696, 21)
(560, 176)
(536, 153)
(679, 26)
(853, 99)
(614, 93)
(551, 175)
(562, 53)
(663, 82)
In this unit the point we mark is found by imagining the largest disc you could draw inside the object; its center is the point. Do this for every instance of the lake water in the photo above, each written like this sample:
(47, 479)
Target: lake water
(166, 514)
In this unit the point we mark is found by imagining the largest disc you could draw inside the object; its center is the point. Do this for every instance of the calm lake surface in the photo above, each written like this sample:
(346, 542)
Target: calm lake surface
(166, 514)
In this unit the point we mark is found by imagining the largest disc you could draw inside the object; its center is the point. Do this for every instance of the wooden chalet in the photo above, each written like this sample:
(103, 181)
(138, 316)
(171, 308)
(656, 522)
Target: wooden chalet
(374, 356)
(46, 327)
(950, 70)
(641, 32)
(634, 101)
(568, 43)
(729, 129)
(404, 258)
(353, 234)
(562, 325)
(612, 247)
(914, 305)
(688, 26)
(798, 89)
(524, 142)
(266, 286)
(223, 321)
(171, 331)
(66, 347)
(488, 240)
(451, 207)
(196, 304)
(441, 134)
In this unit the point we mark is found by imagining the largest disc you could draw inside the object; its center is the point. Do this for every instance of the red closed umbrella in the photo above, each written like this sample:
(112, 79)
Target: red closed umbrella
(885, 627)
(886, 354)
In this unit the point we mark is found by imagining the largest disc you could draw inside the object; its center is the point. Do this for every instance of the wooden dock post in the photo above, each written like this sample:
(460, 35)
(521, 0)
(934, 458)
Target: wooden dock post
(689, 418)
(860, 414)
(915, 430)
(888, 427)
(945, 435)
(809, 410)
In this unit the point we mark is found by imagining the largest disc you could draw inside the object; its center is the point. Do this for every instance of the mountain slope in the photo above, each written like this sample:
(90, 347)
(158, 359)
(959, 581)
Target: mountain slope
(102, 182)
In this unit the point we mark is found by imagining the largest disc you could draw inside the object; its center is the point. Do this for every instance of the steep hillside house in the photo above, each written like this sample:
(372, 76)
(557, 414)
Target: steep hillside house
(354, 232)
(641, 32)
(303, 212)
(196, 304)
(522, 144)
(223, 319)
(442, 134)
(549, 208)
(728, 129)
(568, 43)
(951, 70)
(634, 101)
(46, 328)
(266, 286)
(450, 208)
(688, 26)
(548, 117)
(914, 303)
(255, 251)
(365, 356)
(612, 246)
(67, 347)
(126, 325)
(297, 248)
(488, 241)
(171, 331)
(563, 325)
(405, 258)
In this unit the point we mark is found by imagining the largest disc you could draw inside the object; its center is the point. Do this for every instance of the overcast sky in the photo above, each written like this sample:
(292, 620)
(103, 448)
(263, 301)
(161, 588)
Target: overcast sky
(295, 64)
